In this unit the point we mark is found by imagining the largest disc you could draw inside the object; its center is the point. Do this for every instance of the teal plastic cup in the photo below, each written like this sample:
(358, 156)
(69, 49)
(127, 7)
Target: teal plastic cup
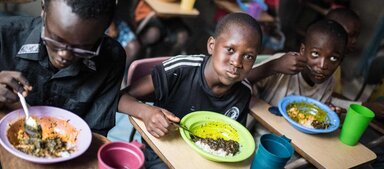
(273, 152)
(356, 121)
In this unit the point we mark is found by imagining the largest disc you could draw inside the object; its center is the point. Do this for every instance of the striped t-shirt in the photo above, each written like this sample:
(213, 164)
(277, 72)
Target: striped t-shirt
(180, 87)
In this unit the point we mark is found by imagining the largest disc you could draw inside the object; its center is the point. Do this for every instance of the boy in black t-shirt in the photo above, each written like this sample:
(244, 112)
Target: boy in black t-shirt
(184, 84)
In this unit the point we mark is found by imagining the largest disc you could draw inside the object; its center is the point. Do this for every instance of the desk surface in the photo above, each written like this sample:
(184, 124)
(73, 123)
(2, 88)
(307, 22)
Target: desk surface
(323, 150)
(233, 7)
(86, 160)
(168, 9)
(176, 153)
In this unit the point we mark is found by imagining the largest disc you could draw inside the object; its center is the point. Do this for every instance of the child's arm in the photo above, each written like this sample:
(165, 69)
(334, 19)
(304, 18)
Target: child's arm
(113, 32)
(157, 120)
(376, 106)
(289, 63)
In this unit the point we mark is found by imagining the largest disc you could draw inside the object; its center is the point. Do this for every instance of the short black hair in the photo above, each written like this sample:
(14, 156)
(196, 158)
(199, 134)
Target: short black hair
(329, 27)
(240, 19)
(89, 9)
(343, 13)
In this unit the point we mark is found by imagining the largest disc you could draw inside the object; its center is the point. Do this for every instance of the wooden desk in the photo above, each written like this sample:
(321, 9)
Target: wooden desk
(323, 150)
(176, 153)
(233, 7)
(86, 160)
(168, 9)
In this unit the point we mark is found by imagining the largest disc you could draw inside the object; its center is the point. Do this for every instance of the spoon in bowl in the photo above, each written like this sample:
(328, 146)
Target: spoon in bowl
(32, 128)
(189, 131)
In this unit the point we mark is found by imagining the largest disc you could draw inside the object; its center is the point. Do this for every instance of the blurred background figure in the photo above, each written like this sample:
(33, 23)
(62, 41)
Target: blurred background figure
(159, 36)
(120, 31)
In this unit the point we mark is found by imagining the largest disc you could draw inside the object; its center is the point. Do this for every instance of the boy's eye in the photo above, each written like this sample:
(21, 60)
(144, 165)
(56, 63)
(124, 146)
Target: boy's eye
(230, 50)
(334, 59)
(249, 57)
(315, 54)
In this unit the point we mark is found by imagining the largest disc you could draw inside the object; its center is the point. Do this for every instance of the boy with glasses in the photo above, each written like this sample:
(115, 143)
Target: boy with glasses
(64, 59)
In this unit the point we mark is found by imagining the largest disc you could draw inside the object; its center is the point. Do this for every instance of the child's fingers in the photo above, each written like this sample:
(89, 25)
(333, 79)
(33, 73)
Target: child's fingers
(161, 122)
(157, 126)
(7, 95)
(23, 82)
(300, 61)
(158, 132)
(298, 57)
(20, 80)
(15, 81)
(170, 116)
(154, 134)
(301, 58)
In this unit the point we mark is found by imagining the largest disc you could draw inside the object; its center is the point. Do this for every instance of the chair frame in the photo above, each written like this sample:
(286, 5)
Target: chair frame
(141, 67)
(138, 69)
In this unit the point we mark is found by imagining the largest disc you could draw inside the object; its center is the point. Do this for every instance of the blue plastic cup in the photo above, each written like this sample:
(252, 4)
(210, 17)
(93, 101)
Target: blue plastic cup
(273, 152)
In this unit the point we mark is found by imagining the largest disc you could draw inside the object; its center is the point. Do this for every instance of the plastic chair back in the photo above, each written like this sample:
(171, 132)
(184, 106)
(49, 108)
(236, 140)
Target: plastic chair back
(142, 67)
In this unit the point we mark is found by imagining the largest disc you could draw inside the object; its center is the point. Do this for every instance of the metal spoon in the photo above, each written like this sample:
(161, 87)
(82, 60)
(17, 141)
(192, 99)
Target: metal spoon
(184, 128)
(31, 126)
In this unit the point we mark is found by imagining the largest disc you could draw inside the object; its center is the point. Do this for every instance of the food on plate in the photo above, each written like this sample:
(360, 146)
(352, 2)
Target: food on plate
(57, 139)
(217, 138)
(219, 147)
(308, 115)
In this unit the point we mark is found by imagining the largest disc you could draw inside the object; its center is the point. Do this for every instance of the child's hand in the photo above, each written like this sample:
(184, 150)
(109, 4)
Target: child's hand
(290, 63)
(10, 83)
(113, 32)
(339, 111)
(158, 121)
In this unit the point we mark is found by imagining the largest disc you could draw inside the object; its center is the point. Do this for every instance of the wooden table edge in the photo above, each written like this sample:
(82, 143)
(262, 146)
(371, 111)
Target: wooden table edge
(297, 149)
(102, 138)
(149, 141)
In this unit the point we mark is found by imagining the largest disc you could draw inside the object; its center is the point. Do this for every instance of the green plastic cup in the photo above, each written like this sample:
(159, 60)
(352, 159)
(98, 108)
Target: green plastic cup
(356, 121)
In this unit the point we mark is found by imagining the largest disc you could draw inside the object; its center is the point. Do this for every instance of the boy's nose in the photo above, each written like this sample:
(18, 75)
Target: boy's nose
(323, 64)
(66, 54)
(237, 60)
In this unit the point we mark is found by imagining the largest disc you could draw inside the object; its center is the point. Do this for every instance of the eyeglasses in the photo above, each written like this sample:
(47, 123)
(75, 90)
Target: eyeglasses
(58, 46)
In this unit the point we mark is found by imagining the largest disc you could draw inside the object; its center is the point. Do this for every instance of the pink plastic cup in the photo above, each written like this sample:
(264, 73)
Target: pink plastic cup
(121, 155)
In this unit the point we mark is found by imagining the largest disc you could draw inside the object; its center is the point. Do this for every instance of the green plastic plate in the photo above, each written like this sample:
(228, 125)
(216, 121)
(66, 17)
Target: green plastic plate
(214, 125)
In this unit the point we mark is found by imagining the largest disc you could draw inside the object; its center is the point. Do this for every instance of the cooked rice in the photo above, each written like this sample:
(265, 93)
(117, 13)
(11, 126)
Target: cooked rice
(220, 152)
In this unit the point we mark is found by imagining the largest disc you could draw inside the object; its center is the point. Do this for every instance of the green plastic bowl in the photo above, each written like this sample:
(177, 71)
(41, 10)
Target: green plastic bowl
(214, 125)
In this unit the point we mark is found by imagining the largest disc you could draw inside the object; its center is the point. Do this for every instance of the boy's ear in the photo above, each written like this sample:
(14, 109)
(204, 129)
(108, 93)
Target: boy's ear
(302, 48)
(42, 4)
(210, 45)
(42, 8)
